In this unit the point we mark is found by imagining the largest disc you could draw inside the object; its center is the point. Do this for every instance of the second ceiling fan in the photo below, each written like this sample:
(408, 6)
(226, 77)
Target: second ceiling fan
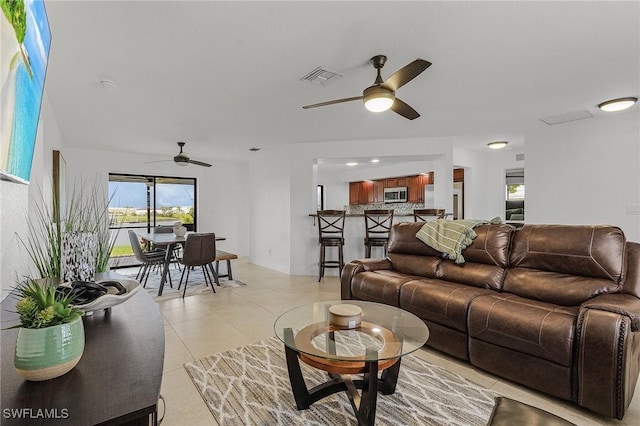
(381, 96)
(183, 159)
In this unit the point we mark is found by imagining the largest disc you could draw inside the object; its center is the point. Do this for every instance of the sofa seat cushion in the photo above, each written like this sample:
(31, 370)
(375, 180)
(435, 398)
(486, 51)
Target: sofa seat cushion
(442, 302)
(540, 329)
(381, 286)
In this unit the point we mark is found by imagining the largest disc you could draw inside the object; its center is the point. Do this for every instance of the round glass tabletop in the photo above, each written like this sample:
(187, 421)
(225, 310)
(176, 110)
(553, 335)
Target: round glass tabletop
(385, 332)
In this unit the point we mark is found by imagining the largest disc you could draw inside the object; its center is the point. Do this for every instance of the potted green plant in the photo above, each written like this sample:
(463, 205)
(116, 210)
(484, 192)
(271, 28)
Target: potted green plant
(51, 336)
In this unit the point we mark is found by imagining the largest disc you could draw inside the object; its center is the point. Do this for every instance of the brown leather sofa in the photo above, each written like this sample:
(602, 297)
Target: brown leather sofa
(552, 307)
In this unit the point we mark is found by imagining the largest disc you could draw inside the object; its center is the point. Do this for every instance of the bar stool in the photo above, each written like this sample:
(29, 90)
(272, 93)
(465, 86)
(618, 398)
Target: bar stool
(377, 225)
(422, 215)
(330, 234)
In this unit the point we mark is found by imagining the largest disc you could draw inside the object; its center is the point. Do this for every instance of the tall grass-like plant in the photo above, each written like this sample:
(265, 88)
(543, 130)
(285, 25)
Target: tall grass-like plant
(87, 210)
(43, 238)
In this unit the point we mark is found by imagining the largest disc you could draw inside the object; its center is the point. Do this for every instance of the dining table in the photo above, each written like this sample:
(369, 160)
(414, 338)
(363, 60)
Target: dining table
(170, 241)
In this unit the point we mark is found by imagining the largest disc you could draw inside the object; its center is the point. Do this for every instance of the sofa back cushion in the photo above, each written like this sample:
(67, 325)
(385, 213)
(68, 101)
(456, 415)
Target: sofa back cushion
(565, 264)
(486, 259)
(408, 254)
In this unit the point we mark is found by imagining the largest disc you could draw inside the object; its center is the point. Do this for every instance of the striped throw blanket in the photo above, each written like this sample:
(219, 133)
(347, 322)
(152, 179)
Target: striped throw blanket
(450, 237)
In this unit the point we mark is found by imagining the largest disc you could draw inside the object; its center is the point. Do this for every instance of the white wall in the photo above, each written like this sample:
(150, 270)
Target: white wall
(270, 210)
(14, 199)
(223, 205)
(586, 172)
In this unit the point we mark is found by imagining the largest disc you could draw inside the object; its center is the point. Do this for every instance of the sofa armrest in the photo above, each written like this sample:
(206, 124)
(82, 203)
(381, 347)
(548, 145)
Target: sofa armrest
(622, 304)
(355, 267)
(608, 352)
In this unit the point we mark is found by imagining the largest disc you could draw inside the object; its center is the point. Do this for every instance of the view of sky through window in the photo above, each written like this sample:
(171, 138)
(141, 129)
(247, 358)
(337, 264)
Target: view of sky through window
(134, 195)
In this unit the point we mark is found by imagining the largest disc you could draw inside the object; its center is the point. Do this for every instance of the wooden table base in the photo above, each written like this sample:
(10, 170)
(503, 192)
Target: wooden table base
(363, 403)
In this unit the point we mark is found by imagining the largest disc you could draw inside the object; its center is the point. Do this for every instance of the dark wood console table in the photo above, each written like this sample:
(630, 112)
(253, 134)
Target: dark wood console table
(116, 382)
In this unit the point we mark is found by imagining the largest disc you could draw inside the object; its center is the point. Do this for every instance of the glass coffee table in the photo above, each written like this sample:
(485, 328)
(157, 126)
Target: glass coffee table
(363, 345)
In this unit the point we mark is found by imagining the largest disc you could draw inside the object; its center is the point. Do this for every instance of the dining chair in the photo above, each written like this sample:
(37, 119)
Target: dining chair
(177, 248)
(330, 234)
(199, 250)
(377, 225)
(148, 259)
(424, 215)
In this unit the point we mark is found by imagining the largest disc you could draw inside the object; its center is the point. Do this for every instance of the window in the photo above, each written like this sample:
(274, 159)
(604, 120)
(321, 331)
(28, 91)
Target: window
(514, 206)
(144, 202)
(148, 201)
(515, 191)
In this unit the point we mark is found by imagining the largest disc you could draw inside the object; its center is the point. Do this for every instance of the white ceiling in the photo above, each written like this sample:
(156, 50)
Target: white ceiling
(225, 76)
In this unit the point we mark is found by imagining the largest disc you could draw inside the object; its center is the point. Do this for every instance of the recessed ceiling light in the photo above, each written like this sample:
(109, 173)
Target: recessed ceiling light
(254, 149)
(497, 144)
(352, 164)
(375, 160)
(618, 104)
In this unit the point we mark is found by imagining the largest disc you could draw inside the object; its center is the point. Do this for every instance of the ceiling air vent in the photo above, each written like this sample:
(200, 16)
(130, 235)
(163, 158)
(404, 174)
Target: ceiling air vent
(321, 76)
(519, 157)
(566, 117)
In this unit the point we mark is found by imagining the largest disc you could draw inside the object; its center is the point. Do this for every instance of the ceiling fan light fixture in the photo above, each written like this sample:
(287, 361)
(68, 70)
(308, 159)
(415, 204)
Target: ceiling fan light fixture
(182, 163)
(497, 144)
(619, 104)
(378, 99)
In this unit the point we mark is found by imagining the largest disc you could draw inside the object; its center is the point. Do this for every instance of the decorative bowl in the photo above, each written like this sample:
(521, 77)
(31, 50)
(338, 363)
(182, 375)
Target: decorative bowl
(110, 299)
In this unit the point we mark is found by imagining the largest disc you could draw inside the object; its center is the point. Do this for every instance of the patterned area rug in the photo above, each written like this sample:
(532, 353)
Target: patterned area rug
(196, 284)
(250, 386)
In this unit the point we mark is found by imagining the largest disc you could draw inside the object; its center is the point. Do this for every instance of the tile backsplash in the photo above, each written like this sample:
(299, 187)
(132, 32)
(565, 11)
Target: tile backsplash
(399, 208)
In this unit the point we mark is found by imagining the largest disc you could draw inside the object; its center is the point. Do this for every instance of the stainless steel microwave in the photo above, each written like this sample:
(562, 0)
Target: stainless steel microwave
(395, 195)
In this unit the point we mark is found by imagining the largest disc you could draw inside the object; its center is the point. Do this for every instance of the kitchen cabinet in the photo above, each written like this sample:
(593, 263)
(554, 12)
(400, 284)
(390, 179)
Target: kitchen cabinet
(372, 192)
(378, 191)
(415, 191)
(366, 192)
(415, 185)
(354, 193)
(396, 182)
(361, 192)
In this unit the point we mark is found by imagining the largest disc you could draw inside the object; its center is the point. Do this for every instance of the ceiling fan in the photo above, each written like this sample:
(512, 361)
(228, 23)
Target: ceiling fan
(182, 159)
(381, 96)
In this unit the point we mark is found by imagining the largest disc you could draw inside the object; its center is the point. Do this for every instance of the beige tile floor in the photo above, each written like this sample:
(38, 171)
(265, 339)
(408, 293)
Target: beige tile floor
(205, 324)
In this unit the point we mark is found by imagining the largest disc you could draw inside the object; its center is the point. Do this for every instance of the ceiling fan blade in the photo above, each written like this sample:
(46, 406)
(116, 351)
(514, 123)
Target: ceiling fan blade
(406, 74)
(337, 101)
(158, 161)
(199, 163)
(404, 109)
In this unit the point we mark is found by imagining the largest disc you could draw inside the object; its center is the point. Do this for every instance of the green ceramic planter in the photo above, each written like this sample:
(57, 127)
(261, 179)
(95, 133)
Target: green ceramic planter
(47, 353)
